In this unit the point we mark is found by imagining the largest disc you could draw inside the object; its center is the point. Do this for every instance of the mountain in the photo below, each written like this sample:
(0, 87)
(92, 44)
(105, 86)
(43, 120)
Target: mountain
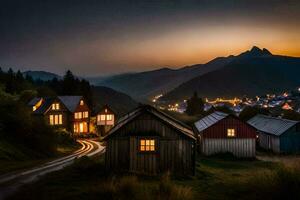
(119, 102)
(253, 72)
(42, 75)
(143, 85)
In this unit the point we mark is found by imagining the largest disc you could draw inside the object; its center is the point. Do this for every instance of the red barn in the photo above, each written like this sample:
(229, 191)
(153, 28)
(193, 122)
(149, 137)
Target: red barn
(221, 133)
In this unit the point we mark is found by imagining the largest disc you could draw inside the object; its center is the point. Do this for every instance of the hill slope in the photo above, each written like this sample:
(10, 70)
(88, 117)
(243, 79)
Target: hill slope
(119, 102)
(254, 72)
(42, 75)
(146, 84)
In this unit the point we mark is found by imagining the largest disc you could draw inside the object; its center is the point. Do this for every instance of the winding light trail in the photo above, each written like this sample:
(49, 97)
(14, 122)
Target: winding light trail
(12, 181)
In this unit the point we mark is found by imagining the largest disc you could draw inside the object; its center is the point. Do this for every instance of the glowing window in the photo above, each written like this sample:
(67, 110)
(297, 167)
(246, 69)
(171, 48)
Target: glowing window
(60, 119)
(81, 102)
(147, 145)
(51, 120)
(55, 106)
(109, 117)
(78, 115)
(231, 132)
(55, 119)
(102, 117)
(85, 114)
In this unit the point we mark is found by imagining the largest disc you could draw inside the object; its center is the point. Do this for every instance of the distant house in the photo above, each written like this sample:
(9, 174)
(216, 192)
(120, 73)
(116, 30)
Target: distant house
(105, 120)
(148, 141)
(79, 113)
(221, 133)
(52, 109)
(69, 112)
(276, 134)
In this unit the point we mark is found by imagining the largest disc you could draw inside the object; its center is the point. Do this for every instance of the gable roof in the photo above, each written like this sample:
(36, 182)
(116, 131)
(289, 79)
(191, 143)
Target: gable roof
(71, 102)
(102, 109)
(271, 125)
(34, 101)
(210, 120)
(186, 130)
(47, 102)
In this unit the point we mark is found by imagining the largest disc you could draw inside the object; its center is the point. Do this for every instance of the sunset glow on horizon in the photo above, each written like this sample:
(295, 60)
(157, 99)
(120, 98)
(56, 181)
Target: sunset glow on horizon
(114, 37)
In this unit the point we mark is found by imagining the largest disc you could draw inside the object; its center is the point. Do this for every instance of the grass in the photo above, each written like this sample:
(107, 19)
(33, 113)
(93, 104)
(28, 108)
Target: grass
(216, 178)
(16, 157)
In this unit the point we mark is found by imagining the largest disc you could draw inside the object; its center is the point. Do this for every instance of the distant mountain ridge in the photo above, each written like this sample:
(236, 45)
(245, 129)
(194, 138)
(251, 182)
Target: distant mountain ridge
(143, 85)
(42, 75)
(253, 72)
(261, 71)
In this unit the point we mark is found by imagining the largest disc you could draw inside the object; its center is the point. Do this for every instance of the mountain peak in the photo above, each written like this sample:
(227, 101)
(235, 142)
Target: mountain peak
(256, 51)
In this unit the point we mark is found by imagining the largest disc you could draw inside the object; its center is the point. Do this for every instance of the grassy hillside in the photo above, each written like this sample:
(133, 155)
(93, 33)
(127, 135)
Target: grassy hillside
(216, 178)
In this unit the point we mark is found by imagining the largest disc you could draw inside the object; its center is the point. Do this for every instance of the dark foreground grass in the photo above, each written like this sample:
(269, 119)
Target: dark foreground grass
(216, 178)
(17, 157)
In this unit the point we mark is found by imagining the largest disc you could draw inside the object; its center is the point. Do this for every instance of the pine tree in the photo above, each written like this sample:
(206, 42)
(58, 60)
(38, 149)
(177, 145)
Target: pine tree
(194, 105)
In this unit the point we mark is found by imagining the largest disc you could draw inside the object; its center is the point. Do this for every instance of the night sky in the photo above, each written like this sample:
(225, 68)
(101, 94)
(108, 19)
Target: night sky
(108, 37)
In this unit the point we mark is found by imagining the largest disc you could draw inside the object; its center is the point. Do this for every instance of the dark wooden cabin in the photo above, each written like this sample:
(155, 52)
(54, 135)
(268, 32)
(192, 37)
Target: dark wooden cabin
(148, 141)
(222, 133)
(105, 120)
(276, 134)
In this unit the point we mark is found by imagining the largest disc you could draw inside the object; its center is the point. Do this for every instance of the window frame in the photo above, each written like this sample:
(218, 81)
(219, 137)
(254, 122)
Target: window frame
(156, 142)
(231, 132)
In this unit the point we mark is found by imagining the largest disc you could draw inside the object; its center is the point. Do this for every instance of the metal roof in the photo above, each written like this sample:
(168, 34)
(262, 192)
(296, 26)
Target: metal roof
(210, 120)
(271, 125)
(71, 102)
(163, 116)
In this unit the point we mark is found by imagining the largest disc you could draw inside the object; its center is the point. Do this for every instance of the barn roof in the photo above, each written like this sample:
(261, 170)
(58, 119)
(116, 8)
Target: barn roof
(183, 128)
(271, 125)
(210, 120)
(47, 102)
(71, 102)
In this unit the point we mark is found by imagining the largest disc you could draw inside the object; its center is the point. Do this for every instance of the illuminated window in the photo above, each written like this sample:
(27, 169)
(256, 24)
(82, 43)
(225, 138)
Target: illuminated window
(231, 132)
(109, 117)
(147, 145)
(102, 117)
(55, 106)
(78, 115)
(81, 102)
(55, 119)
(33, 108)
(60, 119)
(105, 110)
(51, 119)
(85, 114)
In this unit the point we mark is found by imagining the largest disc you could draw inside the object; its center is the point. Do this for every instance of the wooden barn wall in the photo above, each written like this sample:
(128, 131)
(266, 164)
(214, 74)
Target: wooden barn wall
(240, 147)
(117, 154)
(175, 152)
(290, 141)
(269, 142)
(219, 130)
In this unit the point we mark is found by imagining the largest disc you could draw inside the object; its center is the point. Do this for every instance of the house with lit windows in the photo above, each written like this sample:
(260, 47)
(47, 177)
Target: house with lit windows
(69, 112)
(52, 109)
(148, 141)
(224, 133)
(105, 120)
(79, 113)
